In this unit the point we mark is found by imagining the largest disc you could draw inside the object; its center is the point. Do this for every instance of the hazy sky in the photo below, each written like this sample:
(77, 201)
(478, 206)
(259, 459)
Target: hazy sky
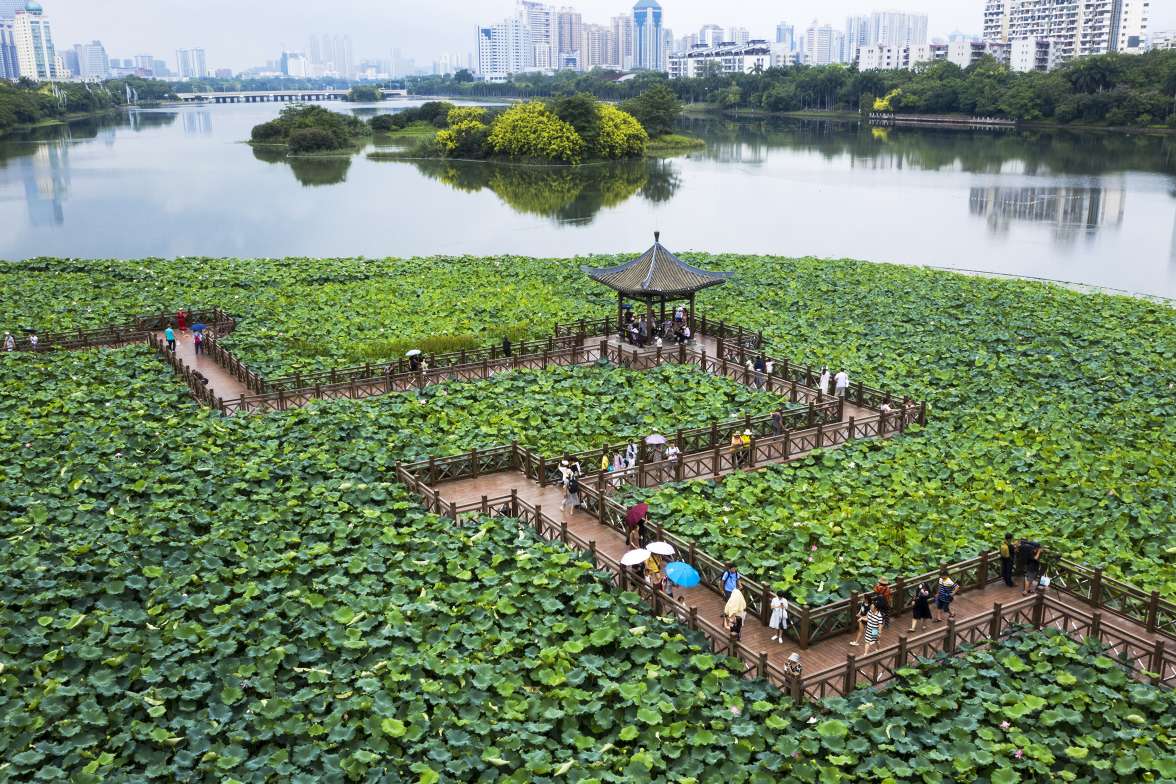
(244, 33)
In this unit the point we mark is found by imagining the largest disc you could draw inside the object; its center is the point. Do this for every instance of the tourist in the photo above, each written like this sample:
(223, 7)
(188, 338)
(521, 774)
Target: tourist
(631, 452)
(874, 620)
(862, 611)
(1030, 554)
(673, 453)
(618, 462)
(922, 607)
(33, 341)
(653, 573)
(882, 590)
(686, 334)
(792, 667)
(1006, 560)
(181, 320)
(777, 422)
(573, 494)
(198, 342)
(9, 342)
(841, 382)
(944, 595)
(169, 335)
(745, 446)
(735, 612)
(779, 620)
(823, 381)
(679, 314)
(505, 346)
(885, 408)
(769, 367)
(565, 479)
(736, 449)
(761, 370)
(729, 580)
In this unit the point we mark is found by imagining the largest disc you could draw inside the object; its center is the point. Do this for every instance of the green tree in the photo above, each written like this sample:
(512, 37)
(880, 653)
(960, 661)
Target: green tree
(621, 136)
(579, 111)
(656, 109)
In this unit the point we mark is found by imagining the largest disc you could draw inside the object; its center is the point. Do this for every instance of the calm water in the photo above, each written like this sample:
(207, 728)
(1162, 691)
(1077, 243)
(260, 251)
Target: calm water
(1098, 209)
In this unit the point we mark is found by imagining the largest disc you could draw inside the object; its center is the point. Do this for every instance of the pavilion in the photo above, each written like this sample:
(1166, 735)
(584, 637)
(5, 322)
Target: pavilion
(655, 276)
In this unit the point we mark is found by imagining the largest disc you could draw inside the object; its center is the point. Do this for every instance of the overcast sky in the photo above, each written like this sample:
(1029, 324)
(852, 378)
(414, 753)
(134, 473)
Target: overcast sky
(244, 33)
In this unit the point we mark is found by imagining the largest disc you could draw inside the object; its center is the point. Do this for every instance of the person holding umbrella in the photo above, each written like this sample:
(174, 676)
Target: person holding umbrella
(683, 575)
(414, 360)
(9, 342)
(635, 520)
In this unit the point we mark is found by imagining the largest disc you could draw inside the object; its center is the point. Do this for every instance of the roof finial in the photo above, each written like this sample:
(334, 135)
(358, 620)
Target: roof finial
(657, 236)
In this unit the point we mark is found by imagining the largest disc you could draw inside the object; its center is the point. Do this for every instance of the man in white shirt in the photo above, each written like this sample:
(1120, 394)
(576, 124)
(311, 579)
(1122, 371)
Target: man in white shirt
(823, 381)
(841, 382)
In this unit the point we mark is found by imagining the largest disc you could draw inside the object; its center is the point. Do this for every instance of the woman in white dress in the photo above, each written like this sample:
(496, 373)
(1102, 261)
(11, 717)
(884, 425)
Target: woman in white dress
(778, 623)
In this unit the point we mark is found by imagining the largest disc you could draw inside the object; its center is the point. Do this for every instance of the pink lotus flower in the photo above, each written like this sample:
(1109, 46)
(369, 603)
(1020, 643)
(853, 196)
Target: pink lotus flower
(1018, 753)
(810, 559)
(735, 710)
(1004, 725)
(814, 548)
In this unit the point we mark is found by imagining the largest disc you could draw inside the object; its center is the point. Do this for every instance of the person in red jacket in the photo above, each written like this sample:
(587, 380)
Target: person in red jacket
(181, 320)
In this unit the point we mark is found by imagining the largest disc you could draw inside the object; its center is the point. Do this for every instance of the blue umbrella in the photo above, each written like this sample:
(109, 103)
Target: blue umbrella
(198, 327)
(682, 574)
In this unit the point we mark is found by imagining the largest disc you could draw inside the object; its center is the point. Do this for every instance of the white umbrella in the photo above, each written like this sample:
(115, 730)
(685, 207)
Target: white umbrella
(634, 557)
(416, 352)
(660, 548)
(655, 439)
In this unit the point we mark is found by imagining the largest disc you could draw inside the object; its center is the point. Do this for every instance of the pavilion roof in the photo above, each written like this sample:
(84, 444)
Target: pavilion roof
(656, 273)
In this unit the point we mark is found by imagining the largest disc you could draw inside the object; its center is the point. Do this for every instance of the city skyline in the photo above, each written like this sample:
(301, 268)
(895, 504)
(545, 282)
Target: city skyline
(423, 31)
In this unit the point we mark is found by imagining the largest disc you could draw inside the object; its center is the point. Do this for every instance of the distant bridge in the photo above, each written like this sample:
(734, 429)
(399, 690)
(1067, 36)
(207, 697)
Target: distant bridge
(259, 96)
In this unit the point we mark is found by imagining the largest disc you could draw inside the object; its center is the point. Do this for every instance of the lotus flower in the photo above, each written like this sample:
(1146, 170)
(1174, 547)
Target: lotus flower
(1018, 753)
(1004, 725)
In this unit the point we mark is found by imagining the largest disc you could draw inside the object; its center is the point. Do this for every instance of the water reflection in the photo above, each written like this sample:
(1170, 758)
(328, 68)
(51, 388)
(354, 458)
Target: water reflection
(45, 174)
(314, 171)
(1030, 152)
(1070, 211)
(563, 193)
(198, 123)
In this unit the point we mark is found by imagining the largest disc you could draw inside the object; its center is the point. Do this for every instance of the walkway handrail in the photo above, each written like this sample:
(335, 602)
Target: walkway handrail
(118, 334)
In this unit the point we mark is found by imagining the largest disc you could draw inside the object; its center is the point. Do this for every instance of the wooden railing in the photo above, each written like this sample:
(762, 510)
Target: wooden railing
(133, 331)
(198, 388)
(361, 374)
(1111, 595)
(1145, 660)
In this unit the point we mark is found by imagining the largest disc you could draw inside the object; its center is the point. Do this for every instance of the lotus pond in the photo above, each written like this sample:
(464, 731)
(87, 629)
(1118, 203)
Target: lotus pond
(185, 597)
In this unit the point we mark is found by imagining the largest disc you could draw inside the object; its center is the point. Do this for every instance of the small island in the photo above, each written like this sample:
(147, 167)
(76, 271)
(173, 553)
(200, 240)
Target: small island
(310, 130)
(570, 130)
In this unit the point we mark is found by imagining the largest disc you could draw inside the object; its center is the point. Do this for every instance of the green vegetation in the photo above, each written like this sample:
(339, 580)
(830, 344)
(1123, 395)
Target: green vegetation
(26, 102)
(1115, 90)
(432, 113)
(673, 143)
(188, 597)
(310, 129)
(365, 93)
(656, 109)
(1039, 420)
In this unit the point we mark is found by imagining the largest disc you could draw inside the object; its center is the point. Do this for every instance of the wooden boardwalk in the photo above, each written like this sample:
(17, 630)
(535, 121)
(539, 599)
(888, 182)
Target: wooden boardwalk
(221, 383)
(824, 655)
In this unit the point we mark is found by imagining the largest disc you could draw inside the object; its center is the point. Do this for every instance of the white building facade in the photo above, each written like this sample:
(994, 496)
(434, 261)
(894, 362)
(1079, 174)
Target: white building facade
(889, 58)
(190, 64)
(1032, 54)
(1076, 28)
(753, 57)
(36, 57)
(93, 63)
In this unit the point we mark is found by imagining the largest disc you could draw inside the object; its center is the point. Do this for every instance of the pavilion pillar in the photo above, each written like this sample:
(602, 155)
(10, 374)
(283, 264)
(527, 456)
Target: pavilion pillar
(662, 317)
(691, 322)
(621, 313)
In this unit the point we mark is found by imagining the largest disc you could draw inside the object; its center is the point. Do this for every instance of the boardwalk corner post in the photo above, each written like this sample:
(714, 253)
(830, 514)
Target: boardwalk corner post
(1096, 588)
(592, 551)
(995, 623)
(1039, 610)
(806, 627)
(949, 640)
(1153, 611)
(1095, 624)
(1157, 662)
(982, 572)
(850, 682)
(762, 665)
(901, 660)
(766, 605)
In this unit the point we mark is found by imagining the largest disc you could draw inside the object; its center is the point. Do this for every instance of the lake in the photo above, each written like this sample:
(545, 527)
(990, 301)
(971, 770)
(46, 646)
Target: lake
(1095, 208)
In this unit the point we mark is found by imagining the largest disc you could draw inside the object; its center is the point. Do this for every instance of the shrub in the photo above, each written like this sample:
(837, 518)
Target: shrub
(383, 123)
(656, 109)
(268, 132)
(621, 136)
(306, 140)
(530, 130)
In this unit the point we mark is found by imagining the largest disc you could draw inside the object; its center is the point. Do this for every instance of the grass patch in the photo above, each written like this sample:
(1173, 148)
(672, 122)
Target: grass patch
(673, 143)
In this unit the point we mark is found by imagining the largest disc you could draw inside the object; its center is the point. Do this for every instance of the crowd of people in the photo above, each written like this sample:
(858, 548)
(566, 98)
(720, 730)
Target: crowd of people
(646, 330)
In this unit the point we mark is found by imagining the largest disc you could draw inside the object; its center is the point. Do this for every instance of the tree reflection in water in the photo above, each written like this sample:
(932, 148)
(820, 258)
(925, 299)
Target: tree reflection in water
(566, 194)
(310, 171)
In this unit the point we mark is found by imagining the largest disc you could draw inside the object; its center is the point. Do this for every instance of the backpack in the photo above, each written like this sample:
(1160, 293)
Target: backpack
(573, 485)
(1029, 550)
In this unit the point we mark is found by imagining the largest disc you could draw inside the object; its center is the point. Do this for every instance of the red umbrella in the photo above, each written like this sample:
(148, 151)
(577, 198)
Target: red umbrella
(634, 515)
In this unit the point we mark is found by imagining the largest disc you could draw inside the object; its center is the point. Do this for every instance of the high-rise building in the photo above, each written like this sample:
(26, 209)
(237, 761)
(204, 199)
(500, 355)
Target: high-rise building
(570, 31)
(881, 57)
(892, 28)
(503, 48)
(738, 36)
(543, 22)
(595, 47)
(1163, 40)
(9, 67)
(8, 8)
(1031, 54)
(649, 47)
(1076, 28)
(622, 42)
(344, 59)
(786, 34)
(145, 62)
(33, 37)
(711, 35)
(295, 65)
(858, 33)
(159, 68)
(822, 44)
(93, 64)
(190, 64)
